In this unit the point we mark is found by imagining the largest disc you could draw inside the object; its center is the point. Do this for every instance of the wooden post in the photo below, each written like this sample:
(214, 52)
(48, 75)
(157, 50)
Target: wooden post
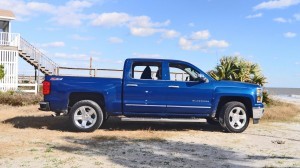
(35, 74)
(91, 65)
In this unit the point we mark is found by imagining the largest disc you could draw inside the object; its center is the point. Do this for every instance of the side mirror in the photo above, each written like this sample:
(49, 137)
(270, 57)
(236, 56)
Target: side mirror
(202, 79)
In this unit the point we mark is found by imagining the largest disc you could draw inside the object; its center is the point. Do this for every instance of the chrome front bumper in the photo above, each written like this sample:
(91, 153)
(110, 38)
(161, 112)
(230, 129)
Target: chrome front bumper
(257, 114)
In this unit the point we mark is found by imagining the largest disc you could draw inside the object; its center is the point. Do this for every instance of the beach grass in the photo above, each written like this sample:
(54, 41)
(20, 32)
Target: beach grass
(19, 98)
(281, 111)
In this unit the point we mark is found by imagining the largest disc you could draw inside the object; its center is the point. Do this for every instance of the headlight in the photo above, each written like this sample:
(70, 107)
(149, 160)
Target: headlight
(259, 95)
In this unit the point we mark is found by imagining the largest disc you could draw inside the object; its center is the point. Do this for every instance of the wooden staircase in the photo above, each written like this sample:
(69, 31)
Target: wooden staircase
(36, 58)
(32, 55)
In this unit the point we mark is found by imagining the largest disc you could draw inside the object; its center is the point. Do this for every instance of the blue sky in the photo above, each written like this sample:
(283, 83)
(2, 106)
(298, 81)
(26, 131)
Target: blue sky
(197, 31)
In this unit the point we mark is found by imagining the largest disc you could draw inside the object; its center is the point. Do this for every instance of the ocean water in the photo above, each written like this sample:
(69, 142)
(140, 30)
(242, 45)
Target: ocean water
(286, 94)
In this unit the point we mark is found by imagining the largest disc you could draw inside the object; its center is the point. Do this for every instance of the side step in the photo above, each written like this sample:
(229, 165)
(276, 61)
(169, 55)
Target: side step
(163, 119)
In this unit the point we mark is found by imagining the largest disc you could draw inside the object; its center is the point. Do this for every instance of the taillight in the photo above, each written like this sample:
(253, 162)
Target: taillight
(46, 87)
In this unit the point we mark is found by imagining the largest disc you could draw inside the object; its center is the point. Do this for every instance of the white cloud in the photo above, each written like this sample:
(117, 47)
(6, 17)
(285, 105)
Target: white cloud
(275, 4)
(143, 31)
(295, 17)
(289, 35)
(123, 19)
(19, 7)
(41, 7)
(170, 34)
(139, 55)
(69, 19)
(258, 15)
(115, 40)
(81, 38)
(187, 44)
(217, 44)
(145, 21)
(141, 26)
(69, 14)
(200, 35)
(198, 41)
(53, 44)
(282, 20)
(78, 4)
(111, 19)
(72, 14)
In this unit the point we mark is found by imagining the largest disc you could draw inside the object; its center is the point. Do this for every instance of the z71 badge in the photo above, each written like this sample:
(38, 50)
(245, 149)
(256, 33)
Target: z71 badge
(56, 79)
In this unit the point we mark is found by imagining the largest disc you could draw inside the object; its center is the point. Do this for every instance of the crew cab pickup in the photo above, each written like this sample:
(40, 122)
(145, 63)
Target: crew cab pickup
(156, 89)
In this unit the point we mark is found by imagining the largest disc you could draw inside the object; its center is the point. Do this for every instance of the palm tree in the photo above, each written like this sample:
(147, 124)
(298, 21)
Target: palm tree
(226, 70)
(237, 69)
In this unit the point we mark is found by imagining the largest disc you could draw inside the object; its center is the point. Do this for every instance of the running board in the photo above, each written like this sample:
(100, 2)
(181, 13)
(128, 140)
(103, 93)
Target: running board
(162, 119)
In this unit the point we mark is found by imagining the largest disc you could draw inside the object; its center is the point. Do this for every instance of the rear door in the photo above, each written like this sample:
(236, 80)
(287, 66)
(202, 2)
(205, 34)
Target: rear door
(144, 90)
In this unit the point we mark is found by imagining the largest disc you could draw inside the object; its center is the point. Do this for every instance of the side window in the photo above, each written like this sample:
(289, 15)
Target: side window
(147, 70)
(182, 72)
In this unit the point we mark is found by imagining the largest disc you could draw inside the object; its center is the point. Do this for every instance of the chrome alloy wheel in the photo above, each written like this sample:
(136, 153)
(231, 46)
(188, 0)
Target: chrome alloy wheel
(237, 117)
(85, 117)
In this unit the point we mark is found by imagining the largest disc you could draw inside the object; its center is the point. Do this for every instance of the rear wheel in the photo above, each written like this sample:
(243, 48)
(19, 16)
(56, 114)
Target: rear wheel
(86, 116)
(234, 117)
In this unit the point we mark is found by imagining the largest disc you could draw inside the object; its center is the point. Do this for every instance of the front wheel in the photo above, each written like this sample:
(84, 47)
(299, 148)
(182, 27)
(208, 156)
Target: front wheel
(86, 116)
(234, 117)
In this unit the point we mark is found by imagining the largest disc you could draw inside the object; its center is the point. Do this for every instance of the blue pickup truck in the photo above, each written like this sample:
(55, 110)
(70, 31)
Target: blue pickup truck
(153, 89)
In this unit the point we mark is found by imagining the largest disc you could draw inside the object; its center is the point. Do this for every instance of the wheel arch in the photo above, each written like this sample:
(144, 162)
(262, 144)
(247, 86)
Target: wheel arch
(94, 96)
(243, 99)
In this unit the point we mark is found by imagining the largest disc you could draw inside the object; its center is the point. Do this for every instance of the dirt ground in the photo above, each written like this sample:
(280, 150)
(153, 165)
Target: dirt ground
(30, 138)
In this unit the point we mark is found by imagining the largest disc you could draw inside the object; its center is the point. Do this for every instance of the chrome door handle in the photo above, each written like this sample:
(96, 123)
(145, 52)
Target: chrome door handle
(172, 86)
(132, 85)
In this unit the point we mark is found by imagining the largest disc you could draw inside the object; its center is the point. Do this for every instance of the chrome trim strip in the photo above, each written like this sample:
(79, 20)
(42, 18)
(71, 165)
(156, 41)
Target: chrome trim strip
(145, 105)
(150, 105)
(207, 107)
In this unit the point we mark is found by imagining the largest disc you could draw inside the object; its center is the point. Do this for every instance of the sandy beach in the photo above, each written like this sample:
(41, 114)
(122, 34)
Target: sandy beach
(294, 99)
(30, 138)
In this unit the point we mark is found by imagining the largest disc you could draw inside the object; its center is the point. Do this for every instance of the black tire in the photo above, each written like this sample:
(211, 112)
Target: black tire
(85, 116)
(234, 117)
(212, 121)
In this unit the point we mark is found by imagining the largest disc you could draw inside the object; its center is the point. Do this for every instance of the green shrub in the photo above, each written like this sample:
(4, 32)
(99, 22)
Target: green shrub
(266, 98)
(1, 71)
(19, 98)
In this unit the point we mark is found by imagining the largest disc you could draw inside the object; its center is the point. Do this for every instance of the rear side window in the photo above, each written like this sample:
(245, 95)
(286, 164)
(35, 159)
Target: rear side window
(147, 70)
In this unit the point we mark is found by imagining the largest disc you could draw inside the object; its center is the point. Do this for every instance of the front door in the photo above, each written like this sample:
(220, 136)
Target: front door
(186, 94)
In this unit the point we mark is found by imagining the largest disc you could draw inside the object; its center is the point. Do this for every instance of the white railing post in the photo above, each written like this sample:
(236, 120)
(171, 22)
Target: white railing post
(36, 88)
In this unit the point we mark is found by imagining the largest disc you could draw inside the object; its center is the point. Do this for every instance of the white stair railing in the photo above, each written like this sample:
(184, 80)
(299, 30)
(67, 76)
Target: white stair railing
(36, 57)
(42, 61)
